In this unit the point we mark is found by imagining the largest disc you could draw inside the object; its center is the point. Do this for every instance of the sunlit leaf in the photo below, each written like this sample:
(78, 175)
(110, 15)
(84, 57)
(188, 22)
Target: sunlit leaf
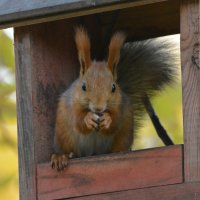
(6, 51)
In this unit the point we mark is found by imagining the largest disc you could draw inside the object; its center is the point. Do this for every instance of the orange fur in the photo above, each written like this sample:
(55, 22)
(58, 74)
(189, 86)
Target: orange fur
(63, 129)
(95, 120)
(115, 46)
(124, 137)
(83, 45)
(80, 114)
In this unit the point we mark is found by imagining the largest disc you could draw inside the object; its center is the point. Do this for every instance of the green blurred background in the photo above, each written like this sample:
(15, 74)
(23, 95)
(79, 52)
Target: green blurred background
(168, 106)
(8, 128)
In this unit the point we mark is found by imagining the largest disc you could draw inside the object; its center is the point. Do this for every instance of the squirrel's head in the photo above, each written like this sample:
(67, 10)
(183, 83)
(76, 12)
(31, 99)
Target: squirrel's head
(97, 89)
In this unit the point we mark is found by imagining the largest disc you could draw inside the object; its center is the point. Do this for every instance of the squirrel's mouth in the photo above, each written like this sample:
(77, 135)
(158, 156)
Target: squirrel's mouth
(98, 110)
(100, 114)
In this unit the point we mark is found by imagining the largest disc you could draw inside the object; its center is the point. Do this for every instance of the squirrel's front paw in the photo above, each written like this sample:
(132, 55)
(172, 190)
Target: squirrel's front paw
(91, 121)
(105, 121)
(59, 162)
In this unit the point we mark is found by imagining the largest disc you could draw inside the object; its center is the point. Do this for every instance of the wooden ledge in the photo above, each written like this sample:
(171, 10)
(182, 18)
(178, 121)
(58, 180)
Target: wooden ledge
(110, 173)
(13, 13)
(185, 191)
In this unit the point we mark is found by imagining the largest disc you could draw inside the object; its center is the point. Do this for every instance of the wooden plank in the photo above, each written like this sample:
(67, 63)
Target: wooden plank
(142, 22)
(190, 59)
(155, 19)
(26, 154)
(54, 67)
(170, 192)
(44, 70)
(110, 173)
(13, 13)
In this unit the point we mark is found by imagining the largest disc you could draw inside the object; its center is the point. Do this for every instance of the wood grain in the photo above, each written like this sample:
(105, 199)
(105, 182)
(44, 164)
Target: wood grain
(190, 60)
(169, 192)
(27, 163)
(13, 13)
(45, 67)
(54, 67)
(142, 22)
(110, 173)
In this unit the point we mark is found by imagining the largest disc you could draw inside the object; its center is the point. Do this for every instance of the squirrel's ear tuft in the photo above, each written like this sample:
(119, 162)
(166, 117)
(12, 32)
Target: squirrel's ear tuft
(83, 45)
(115, 46)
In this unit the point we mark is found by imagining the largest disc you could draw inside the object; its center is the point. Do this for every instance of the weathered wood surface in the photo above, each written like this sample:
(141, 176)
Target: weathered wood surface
(169, 192)
(190, 59)
(45, 67)
(13, 13)
(111, 173)
(147, 21)
(26, 137)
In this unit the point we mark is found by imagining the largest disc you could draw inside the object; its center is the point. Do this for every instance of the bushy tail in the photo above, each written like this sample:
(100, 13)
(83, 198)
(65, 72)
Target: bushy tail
(145, 67)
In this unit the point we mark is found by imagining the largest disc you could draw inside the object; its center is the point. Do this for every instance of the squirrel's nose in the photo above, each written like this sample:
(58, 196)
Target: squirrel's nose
(99, 111)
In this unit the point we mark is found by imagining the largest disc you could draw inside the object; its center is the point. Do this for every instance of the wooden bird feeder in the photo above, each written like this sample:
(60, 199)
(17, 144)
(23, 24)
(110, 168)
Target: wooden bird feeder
(46, 63)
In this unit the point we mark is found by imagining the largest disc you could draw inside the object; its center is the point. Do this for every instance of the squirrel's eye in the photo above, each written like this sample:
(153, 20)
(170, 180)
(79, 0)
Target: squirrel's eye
(84, 87)
(113, 88)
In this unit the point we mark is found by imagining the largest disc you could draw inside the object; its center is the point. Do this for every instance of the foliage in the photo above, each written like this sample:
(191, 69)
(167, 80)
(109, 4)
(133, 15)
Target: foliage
(168, 106)
(8, 130)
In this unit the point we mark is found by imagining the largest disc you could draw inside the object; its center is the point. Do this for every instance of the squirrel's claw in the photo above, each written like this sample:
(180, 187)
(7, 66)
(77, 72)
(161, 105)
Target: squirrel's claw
(105, 121)
(91, 121)
(59, 162)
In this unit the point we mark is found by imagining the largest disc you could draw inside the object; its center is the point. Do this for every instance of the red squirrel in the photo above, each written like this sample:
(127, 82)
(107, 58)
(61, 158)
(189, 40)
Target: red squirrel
(99, 113)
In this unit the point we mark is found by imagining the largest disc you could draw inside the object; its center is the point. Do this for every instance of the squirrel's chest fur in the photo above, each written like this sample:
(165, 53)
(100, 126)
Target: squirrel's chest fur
(93, 144)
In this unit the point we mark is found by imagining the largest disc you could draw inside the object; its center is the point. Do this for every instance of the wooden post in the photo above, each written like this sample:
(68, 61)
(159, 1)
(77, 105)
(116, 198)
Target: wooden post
(46, 63)
(24, 105)
(190, 44)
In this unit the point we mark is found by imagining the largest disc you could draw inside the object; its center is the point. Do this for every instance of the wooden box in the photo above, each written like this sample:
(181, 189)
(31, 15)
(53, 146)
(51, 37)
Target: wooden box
(46, 63)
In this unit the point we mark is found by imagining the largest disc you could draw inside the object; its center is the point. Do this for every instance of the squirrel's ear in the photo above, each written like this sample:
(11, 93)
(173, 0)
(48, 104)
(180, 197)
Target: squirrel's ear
(115, 46)
(83, 45)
